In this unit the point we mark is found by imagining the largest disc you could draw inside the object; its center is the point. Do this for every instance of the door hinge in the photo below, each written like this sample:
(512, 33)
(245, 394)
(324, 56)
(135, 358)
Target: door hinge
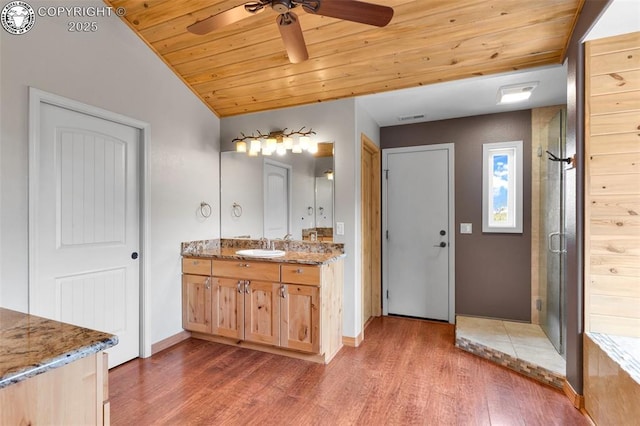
(538, 304)
(387, 294)
(387, 234)
(386, 174)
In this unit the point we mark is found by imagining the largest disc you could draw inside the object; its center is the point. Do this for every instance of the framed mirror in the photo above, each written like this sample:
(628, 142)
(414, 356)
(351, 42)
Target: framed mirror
(253, 201)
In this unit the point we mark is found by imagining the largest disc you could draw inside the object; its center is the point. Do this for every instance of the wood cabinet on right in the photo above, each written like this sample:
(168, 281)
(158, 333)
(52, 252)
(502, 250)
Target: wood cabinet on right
(300, 318)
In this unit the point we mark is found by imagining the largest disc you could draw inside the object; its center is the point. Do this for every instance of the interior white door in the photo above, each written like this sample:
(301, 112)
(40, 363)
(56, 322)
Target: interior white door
(417, 239)
(277, 195)
(324, 202)
(87, 226)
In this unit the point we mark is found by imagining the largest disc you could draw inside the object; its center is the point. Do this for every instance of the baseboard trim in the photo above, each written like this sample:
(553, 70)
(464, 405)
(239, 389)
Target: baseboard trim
(318, 358)
(353, 342)
(169, 341)
(576, 399)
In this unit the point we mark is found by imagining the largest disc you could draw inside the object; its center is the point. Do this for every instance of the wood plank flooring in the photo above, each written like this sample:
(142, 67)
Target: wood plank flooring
(405, 372)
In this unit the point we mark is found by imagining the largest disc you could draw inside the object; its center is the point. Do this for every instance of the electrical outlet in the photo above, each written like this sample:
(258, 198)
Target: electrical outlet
(339, 228)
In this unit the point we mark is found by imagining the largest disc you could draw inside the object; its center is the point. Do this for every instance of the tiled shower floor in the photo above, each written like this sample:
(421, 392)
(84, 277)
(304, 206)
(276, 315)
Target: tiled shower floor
(519, 346)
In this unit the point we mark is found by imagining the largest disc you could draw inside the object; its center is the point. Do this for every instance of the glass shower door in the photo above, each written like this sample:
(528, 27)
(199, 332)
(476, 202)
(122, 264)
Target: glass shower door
(553, 321)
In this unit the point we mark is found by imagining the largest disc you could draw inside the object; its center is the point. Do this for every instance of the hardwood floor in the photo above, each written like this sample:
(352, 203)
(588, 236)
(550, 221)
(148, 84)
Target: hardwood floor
(405, 372)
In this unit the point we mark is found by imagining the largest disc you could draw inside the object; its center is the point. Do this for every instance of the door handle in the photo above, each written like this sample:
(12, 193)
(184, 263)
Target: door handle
(247, 290)
(207, 283)
(239, 286)
(442, 244)
(550, 243)
(134, 255)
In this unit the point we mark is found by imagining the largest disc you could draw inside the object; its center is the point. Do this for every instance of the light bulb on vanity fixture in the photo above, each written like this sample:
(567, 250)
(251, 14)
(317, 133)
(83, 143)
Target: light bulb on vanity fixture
(278, 142)
(328, 174)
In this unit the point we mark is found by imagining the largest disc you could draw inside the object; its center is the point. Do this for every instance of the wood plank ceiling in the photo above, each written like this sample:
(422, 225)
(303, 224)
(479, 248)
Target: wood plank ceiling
(243, 67)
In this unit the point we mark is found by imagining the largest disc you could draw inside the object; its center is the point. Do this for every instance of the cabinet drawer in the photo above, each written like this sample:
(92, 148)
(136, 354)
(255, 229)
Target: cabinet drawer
(247, 270)
(196, 266)
(301, 274)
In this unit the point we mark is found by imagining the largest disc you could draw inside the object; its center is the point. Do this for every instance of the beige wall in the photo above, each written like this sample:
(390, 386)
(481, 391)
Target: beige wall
(612, 187)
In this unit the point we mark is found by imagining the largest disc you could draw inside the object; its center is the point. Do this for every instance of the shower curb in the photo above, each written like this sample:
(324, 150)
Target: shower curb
(523, 367)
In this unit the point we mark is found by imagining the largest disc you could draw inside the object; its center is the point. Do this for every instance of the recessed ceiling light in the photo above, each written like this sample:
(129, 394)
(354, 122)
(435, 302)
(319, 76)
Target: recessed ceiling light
(516, 92)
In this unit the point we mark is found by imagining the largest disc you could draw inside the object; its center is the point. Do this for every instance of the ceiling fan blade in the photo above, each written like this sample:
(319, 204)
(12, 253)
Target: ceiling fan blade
(292, 37)
(352, 10)
(221, 19)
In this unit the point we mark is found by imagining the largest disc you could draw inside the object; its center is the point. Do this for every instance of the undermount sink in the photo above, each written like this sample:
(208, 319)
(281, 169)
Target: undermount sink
(260, 253)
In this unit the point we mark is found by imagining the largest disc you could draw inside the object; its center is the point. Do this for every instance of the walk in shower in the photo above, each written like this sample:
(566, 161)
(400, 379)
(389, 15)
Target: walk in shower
(552, 249)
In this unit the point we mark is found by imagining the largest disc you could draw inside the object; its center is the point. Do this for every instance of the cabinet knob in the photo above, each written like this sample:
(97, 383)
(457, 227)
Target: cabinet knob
(243, 265)
(299, 271)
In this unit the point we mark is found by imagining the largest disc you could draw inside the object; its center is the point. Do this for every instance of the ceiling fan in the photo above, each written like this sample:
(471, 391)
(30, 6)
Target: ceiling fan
(288, 24)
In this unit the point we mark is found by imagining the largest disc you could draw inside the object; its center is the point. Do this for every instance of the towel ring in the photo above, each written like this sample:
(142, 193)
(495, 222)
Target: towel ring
(236, 210)
(205, 209)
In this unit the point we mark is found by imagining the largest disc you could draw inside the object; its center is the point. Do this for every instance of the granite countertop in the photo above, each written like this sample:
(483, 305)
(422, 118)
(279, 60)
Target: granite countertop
(31, 345)
(289, 256)
(315, 253)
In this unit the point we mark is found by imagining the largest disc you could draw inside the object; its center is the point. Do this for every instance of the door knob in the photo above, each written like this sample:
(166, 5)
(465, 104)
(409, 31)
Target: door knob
(442, 244)
(134, 255)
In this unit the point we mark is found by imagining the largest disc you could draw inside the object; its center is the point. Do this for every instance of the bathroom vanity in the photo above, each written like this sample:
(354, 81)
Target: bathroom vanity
(288, 303)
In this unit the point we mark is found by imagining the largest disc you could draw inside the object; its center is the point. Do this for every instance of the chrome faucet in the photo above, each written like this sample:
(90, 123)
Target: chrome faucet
(264, 243)
(288, 237)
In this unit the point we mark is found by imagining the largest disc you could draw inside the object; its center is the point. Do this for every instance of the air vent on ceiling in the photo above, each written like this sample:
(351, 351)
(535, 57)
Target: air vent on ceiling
(410, 117)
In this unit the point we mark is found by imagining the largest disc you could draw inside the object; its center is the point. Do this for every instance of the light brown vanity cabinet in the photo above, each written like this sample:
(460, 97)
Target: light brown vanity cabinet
(246, 301)
(300, 308)
(227, 308)
(196, 294)
(286, 308)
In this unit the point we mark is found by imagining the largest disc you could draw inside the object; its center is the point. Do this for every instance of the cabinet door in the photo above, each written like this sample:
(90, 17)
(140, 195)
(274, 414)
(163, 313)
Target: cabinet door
(262, 312)
(300, 318)
(196, 303)
(228, 307)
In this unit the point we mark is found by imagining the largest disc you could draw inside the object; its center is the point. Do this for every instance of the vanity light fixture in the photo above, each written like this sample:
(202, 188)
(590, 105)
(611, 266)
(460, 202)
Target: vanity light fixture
(516, 92)
(279, 142)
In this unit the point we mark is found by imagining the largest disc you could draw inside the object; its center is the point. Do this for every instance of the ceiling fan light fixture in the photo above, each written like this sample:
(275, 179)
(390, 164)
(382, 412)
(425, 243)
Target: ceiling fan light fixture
(516, 92)
(281, 6)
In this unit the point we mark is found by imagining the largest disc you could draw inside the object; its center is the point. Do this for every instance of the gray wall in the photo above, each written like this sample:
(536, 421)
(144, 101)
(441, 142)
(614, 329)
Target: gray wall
(333, 122)
(111, 69)
(493, 271)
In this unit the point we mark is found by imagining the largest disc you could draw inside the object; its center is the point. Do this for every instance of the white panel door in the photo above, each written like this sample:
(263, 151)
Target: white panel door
(87, 226)
(277, 196)
(417, 232)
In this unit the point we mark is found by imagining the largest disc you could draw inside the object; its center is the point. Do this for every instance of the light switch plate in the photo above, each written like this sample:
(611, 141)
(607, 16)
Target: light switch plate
(466, 228)
(340, 228)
